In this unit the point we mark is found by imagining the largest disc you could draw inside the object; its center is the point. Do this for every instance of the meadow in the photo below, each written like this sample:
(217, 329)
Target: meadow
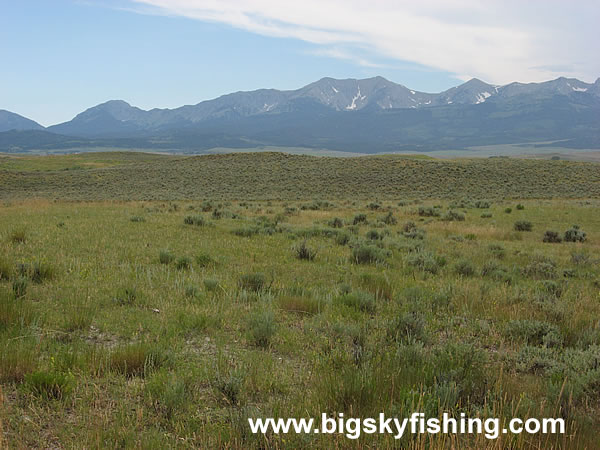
(158, 302)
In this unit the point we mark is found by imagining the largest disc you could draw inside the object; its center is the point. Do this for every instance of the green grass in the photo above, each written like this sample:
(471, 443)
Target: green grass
(118, 342)
(247, 176)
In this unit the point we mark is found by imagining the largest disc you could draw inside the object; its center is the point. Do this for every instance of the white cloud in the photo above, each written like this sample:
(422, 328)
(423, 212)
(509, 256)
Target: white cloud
(496, 40)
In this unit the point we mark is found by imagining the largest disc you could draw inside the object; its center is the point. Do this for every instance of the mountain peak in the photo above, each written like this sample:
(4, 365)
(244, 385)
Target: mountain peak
(11, 121)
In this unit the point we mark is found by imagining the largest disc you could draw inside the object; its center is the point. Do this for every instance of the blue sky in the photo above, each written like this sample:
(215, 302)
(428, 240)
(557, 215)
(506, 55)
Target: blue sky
(60, 57)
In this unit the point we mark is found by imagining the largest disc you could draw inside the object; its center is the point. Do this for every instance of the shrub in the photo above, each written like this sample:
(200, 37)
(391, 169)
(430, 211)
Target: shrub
(534, 360)
(342, 238)
(428, 211)
(359, 219)
(18, 236)
(6, 270)
(165, 257)
(425, 261)
(451, 216)
(304, 252)
(534, 332)
(49, 384)
(497, 251)
(465, 268)
(246, 231)
(368, 254)
(167, 392)
(211, 285)
(552, 237)
(204, 260)
(523, 225)
(373, 206)
(231, 387)
(540, 268)
(389, 219)
(574, 234)
(361, 301)
(191, 291)
(336, 222)
(508, 210)
(520, 207)
(254, 282)
(580, 258)
(19, 287)
(374, 235)
(482, 204)
(491, 269)
(137, 359)
(261, 328)
(463, 367)
(407, 327)
(137, 219)
(183, 263)
(486, 215)
(199, 221)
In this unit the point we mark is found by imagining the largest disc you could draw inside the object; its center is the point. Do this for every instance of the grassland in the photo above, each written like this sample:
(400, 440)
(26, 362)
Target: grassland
(166, 323)
(278, 176)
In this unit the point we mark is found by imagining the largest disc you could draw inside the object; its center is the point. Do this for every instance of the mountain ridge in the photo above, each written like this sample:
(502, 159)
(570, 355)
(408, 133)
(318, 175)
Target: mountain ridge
(368, 115)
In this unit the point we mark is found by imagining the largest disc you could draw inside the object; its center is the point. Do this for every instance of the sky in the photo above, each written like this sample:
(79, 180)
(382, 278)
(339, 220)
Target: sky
(61, 57)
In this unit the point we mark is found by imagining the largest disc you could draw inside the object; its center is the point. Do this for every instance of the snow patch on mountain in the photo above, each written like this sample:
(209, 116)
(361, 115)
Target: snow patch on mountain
(482, 97)
(353, 105)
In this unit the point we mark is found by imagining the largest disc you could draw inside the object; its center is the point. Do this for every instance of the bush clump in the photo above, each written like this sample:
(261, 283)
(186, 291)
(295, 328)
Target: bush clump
(261, 328)
(165, 257)
(368, 254)
(183, 263)
(465, 268)
(254, 282)
(374, 235)
(574, 234)
(204, 260)
(497, 251)
(389, 219)
(198, 221)
(304, 252)
(49, 385)
(451, 216)
(425, 261)
(428, 211)
(407, 327)
(540, 268)
(19, 286)
(534, 332)
(359, 219)
(336, 222)
(523, 225)
(552, 237)
(6, 270)
(18, 236)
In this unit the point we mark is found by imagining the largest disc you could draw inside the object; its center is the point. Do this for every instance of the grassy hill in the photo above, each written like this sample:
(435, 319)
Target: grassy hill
(139, 176)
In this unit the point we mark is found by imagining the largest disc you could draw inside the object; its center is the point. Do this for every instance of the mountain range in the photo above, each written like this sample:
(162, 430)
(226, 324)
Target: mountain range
(368, 115)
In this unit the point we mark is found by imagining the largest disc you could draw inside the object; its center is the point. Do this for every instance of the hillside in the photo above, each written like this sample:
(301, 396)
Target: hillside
(135, 176)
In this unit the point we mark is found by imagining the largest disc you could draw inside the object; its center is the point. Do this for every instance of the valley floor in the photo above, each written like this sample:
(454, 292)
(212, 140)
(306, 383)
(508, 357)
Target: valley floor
(157, 324)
